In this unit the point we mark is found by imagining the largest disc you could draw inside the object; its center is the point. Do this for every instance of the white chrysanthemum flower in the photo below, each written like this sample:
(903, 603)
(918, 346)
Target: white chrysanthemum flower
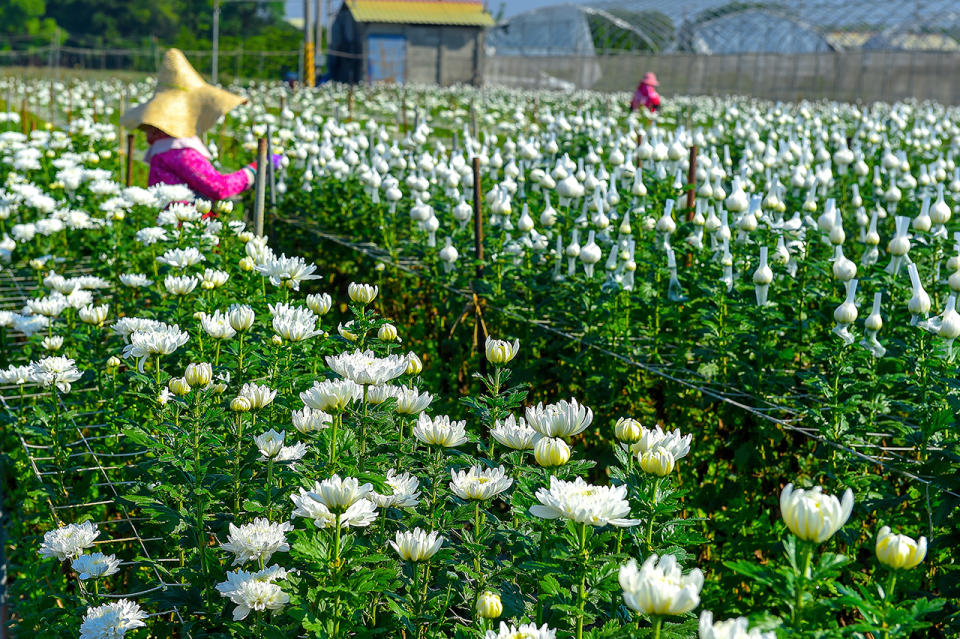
(55, 371)
(294, 324)
(813, 516)
(405, 493)
(254, 591)
(659, 588)
(270, 445)
(514, 433)
(678, 445)
(95, 315)
(376, 395)
(319, 303)
(525, 631)
(217, 325)
(259, 395)
(332, 396)
(95, 565)
(440, 431)
(416, 545)
(334, 496)
(181, 258)
(479, 483)
(738, 628)
(151, 235)
(112, 620)
(367, 368)
(160, 340)
(257, 541)
(584, 503)
(68, 542)
(286, 271)
(362, 293)
(410, 401)
(126, 326)
(309, 420)
(213, 278)
(240, 316)
(180, 284)
(563, 419)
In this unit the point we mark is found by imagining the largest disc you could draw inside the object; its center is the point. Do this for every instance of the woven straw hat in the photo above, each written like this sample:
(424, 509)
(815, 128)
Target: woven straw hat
(183, 105)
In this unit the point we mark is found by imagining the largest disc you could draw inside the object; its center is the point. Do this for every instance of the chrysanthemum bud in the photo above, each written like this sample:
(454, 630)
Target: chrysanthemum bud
(551, 451)
(113, 362)
(240, 404)
(276, 340)
(198, 374)
(179, 386)
(246, 264)
(414, 365)
(489, 605)
(658, 461)
(387, 333)
(500, 352)
(899, 551)
(362, 293)
(627, 430)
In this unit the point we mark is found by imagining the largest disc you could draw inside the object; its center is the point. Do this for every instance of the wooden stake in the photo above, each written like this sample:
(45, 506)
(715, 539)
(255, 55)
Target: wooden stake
(271, 175)
(692, 183)
(350, 105)
(129, 180)
(261, 185)
(639, 144)
(477, 217)
(23, 116)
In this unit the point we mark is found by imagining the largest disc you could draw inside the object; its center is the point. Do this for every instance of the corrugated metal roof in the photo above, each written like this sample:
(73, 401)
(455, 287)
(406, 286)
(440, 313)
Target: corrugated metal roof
(420, 12)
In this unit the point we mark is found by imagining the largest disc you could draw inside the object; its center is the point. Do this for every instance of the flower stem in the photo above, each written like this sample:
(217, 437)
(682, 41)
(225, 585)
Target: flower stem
(582, 591)
(657, 623)
(653, 506)
(802, 581)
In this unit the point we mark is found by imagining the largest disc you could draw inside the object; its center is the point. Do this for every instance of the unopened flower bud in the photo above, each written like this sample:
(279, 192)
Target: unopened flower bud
(362, 293)
(489, 605)
(113, 362)
(500, 352)
(551, 451)
(387, 333)
(240, 404)
(414, 365)
(658, 461)
(198, 374)
(627, 430)
(179, 386)
(246, 264)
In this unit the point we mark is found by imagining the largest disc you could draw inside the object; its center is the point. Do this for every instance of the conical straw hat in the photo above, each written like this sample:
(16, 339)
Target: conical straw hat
(183, 105)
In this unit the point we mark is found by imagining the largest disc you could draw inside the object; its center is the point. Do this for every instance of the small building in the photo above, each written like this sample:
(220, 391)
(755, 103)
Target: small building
(416, 41)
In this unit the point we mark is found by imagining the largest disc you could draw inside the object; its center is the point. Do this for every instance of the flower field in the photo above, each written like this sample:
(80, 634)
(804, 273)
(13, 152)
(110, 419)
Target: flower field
(505, 364)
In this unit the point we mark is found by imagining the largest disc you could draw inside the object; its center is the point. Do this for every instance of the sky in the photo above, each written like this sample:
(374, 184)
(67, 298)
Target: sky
(513, 7)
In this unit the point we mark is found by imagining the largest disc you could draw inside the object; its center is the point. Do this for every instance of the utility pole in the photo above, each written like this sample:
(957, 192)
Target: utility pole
(318, 38)
(309, 71)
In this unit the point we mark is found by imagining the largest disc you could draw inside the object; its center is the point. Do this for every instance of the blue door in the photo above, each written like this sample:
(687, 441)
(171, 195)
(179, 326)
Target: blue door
(386, 58)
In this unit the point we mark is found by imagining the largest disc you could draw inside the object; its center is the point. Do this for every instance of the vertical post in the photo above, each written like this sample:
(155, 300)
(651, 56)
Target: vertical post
(271, 175)
(318, 48)
(309, 70)
(23, 116)
(350, 104)
(260, 186)
(480, 332)
(477, 217)
(692, 183)
(52, 117)
(129, 180)
(216, 42)
(70, 103)
(639, 144)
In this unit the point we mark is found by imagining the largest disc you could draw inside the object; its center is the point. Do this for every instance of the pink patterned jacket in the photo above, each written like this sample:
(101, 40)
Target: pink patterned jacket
(187, 161)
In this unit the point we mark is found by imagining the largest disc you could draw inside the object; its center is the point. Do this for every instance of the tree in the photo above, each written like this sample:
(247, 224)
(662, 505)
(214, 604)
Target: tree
(24, 18)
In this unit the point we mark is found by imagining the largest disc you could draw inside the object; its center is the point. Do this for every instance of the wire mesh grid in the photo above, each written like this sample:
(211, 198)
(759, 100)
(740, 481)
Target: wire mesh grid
(868, 447)
(86, 450)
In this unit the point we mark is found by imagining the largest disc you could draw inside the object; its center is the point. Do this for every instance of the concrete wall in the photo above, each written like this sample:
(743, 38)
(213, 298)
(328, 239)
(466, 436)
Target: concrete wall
(849, 76)
(436, 54)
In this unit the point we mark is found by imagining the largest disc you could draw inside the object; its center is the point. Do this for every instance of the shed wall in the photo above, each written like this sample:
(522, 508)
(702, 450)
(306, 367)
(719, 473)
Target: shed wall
(435, 54)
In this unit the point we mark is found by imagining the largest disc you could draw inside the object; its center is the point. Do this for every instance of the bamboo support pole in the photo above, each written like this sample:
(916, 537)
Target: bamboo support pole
(261, 184)
(129, 159)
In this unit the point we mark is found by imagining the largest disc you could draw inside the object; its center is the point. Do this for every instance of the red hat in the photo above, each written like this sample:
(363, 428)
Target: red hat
(650, 78)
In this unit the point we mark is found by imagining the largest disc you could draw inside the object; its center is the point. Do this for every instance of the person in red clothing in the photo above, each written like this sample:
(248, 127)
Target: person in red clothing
(181, 109)
(646, 94)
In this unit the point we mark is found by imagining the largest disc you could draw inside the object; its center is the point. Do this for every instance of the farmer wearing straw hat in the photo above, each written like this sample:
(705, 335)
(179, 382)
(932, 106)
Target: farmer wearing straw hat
(646, 94)
(181, 109)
